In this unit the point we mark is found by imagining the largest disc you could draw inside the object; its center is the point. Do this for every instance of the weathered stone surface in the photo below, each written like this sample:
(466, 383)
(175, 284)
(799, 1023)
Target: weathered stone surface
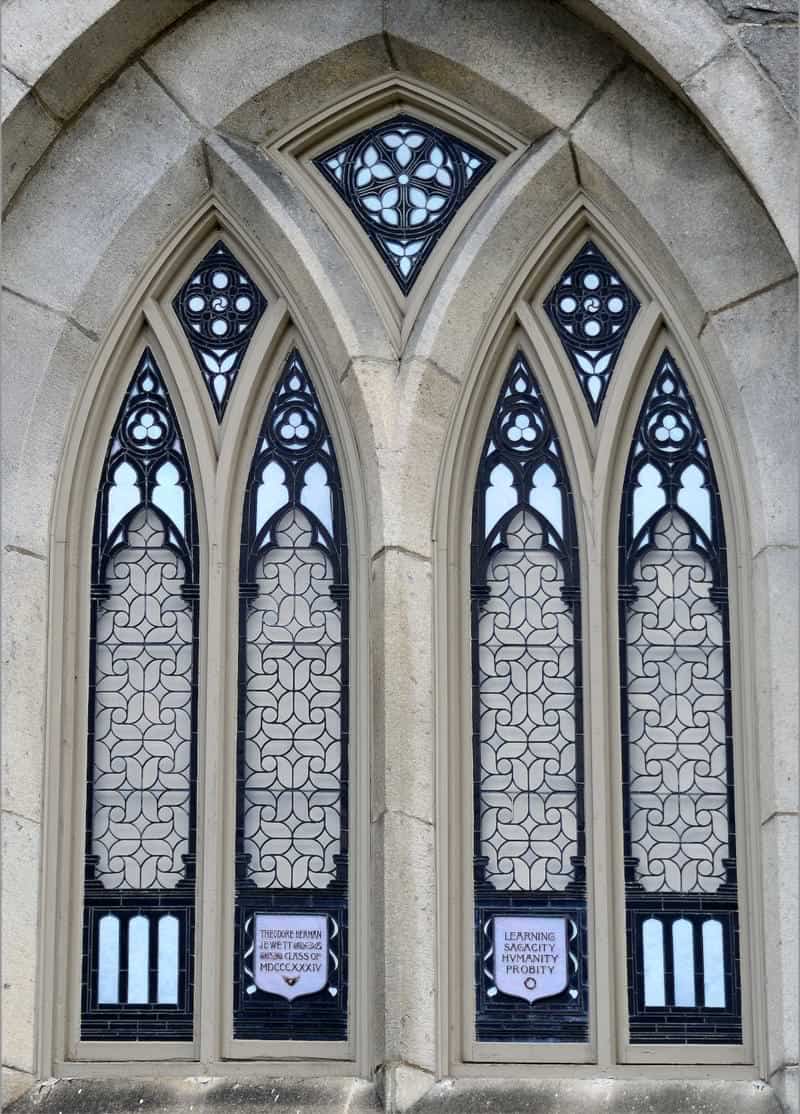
(24, 649)
(403, 694)
(15, 1083)
(228, 53)
(282, 1095)
(756, 342)
(756, 11)
(35, 35)
(776, 581)
(73, 211)
(779, 837)
(679, 37)
(731, 90)
(404, 914)
(20, 891)
(493, 246)
(776, 50)
(28, 130)
(539, 53)
(648, 143)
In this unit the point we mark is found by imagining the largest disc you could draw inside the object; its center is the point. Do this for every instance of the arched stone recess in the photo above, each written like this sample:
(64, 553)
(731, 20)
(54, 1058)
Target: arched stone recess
(60, 427)
(689, 47)
(488, 315)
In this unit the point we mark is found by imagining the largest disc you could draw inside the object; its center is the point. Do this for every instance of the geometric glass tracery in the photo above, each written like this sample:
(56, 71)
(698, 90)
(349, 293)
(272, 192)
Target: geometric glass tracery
(139, 879)
(592, 310)
(404, 180)
(676, 727)
(292, 747)
(528, 742)
(219, 307)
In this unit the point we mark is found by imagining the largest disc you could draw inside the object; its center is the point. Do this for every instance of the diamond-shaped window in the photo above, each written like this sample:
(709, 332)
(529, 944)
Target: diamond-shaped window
(404, 181)
(219, 308)
(592, 311)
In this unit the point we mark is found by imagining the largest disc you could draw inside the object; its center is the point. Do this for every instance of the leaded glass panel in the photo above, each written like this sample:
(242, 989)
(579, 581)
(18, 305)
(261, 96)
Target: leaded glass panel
(592, 309)
(293, 727)
(528, 741)
(139, 880)
(219, 308)
(404, 180)
(681, 892)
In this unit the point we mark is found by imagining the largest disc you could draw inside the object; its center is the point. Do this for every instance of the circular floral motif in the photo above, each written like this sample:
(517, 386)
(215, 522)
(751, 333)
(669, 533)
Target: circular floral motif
(147, 428)
(521, 426)
(591, 304)
(219, 304)
(295, 426)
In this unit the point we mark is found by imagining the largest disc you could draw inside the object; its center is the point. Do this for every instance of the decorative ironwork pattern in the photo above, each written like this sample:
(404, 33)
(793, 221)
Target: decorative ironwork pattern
(527, 699)
(293, 706)
(140, 825)
(293, 721)
(676, 726)
(219, 308)
(528, 741)
(404, 181)
(592, 311)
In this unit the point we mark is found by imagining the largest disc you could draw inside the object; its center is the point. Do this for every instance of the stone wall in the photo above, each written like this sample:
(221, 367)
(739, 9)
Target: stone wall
(120, 118)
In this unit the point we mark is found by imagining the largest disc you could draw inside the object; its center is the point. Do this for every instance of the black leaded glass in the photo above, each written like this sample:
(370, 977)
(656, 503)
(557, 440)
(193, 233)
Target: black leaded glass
(592, 311)
(404, 181)
(680, 856)
(527, 734)
(139, 894)
(219, 308)
(293, 713)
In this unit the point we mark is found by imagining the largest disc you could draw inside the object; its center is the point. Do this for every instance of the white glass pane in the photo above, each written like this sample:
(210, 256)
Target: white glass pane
(168, 960)
(653, 948)
(108, 960)
(713, 965)
(138, 959)
(683, 962)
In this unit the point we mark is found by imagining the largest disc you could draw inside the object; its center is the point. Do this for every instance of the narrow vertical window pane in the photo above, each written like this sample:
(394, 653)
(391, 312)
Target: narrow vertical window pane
(653, 950)
(142, 715)
(676, 704)
(292, 751)
(168, 959)
(713, 965)
(529, 831)
(108, 960)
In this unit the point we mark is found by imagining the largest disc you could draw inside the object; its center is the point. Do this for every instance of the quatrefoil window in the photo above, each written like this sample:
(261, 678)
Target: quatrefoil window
(404, 181)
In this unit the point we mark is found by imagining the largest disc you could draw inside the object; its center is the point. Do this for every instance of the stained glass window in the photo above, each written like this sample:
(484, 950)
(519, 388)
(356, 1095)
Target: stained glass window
(293, 728)
(681, 892)
(140, 813)
(404, 181)
(219, 308)
(528, 738)
(592, 310)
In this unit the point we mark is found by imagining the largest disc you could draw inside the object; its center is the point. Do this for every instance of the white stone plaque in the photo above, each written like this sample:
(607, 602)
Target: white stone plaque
(291, 953)
(530, 956)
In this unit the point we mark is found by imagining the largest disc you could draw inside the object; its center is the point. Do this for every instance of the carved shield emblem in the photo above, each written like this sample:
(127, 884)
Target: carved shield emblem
(530, 956)
(291, 954)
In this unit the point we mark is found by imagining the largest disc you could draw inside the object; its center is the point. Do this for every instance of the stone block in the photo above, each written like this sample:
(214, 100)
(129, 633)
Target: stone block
(403, 757)
(762, 11)
(539, 53)
(751, 121)
(228, 53)
(71, 236)
(28, 130)
(300, 94)
(494, 244)
(24, 657)
(404, 916)
(45, 360)
(15, 1083)
(786, 1082)
(660, 157)
(781, 869)
(776, 579)
(679, 38)
(36, 35)
(752, 349)
(20, 889)
(776, 50)
(313, 273)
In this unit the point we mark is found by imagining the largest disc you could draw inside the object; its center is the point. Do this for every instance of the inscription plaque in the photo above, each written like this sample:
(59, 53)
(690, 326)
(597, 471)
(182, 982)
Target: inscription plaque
(530, 956)
(291, 954)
